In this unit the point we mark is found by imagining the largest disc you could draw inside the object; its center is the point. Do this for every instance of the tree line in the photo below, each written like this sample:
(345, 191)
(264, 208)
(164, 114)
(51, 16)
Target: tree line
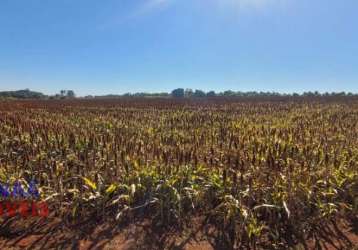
(180, 92)
(29, 94)
(176, 93)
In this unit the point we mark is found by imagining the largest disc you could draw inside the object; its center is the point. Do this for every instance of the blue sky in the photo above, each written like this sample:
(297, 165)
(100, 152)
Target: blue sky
(118, 46)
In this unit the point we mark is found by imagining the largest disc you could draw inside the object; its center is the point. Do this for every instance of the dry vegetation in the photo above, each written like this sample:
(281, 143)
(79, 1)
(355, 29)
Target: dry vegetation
(250, 174)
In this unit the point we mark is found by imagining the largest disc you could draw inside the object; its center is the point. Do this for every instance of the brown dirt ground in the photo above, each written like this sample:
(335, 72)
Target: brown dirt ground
(136, 235)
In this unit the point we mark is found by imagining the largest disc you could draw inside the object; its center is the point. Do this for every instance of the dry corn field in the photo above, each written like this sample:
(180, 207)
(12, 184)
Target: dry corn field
(233, 174)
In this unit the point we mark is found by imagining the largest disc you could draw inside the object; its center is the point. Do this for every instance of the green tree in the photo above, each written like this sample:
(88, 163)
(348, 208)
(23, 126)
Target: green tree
(178, 93)
(70, 94)
(188, 93)
(199, 93)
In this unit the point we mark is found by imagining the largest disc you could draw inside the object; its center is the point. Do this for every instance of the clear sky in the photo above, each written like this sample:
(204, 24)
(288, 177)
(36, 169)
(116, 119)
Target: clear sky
(118, 46)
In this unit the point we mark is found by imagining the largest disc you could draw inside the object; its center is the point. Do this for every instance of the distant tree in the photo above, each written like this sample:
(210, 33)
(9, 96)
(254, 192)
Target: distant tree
(22, 94)
(199, 93)
(188, 93)
(178, 93)
(239, 93)
(139, 94)
(70, 94)
(229, 93)
(211, 93)
(309, 93)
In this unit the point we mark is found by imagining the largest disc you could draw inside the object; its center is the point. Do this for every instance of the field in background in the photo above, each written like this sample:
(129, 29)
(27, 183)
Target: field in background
(219, 173)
